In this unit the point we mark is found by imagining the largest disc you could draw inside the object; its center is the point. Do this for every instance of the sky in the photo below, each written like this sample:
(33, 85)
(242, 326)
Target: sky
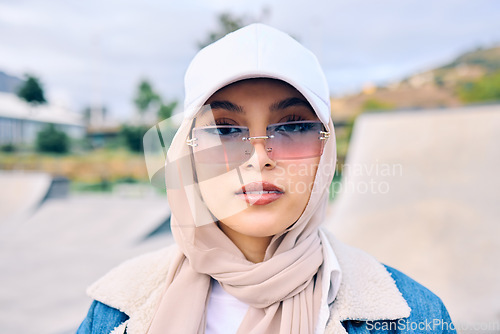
(97, 51)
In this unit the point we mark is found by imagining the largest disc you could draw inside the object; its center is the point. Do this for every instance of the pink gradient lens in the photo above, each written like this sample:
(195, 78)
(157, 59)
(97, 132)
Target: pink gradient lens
(295, 140)
(221, 144)
(233, 145)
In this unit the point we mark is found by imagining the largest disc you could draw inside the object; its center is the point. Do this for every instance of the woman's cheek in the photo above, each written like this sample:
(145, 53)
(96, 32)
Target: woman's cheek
(298, 177)
(219, 195)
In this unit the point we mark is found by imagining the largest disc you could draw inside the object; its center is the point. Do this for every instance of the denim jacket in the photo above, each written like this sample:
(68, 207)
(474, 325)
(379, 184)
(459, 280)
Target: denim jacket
(372, 298)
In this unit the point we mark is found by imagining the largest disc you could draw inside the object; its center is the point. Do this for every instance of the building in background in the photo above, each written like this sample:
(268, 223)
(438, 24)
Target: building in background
(20, 121)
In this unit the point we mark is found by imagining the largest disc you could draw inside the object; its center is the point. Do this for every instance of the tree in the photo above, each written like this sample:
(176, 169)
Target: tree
(51, 140)
(148, 100)
(166, 110)
(146, 97)
(227, 23)
(31, 90)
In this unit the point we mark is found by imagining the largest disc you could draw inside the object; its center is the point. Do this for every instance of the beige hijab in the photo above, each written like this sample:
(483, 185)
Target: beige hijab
(283, 292)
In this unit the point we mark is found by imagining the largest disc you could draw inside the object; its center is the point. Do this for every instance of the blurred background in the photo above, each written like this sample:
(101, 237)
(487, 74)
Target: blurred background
(415, 94)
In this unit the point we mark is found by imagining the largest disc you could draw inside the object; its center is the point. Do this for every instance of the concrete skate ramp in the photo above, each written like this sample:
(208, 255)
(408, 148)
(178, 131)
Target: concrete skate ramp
(21, 192)
(421, 193)
(48, 260)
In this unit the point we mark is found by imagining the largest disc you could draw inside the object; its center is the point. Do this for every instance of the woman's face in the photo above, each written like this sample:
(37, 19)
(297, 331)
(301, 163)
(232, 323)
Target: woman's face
(262, 196)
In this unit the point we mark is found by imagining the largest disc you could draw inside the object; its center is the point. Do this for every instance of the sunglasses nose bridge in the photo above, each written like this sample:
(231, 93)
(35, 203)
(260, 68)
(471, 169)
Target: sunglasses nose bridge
(260, 145)
(260, 156)
(263, 140)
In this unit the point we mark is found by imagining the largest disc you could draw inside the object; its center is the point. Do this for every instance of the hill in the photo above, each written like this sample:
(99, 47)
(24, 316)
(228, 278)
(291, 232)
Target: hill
(487, 59)
(445, 86)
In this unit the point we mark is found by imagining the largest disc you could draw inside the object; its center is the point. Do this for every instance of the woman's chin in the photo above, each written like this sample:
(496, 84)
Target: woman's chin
(257, 223)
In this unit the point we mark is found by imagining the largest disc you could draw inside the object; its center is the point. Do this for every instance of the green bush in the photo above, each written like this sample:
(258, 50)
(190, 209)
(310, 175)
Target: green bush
(132, 136)
(51, 140)
(374, 104)
(8, 148)
(485, 89)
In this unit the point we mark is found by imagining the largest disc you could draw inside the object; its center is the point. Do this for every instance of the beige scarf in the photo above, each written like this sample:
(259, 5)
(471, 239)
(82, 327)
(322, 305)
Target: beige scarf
(283, 291)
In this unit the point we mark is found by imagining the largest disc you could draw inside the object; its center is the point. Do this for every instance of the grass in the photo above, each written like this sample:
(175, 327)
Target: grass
(90, 167)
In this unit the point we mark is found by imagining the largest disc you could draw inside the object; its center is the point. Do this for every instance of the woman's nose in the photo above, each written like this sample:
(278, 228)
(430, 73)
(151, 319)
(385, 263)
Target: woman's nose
(260, 157)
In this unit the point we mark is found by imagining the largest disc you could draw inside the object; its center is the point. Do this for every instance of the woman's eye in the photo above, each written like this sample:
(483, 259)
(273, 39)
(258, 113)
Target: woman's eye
(223, 130)
(294, 127)
(228, 130)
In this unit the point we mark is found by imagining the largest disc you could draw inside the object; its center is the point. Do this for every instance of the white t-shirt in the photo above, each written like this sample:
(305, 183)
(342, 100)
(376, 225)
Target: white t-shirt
(225, 312)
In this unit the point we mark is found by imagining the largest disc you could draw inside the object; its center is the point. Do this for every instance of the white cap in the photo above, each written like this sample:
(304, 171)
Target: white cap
(256, 51)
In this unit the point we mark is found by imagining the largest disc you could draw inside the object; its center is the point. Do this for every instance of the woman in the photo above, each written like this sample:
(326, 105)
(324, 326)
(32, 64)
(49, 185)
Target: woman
(247, 179)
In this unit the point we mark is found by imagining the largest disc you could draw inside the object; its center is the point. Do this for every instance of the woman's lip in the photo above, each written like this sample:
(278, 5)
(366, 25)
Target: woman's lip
(260, 193)
(259, 187)
(260, 198)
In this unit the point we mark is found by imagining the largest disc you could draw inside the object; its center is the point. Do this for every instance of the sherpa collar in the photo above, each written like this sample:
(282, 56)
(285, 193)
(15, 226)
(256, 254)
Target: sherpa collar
(135, 288)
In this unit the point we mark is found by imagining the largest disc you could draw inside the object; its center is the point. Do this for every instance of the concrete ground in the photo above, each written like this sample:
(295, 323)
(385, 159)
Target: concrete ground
(48, 259)
(420, 193)
(21, 193)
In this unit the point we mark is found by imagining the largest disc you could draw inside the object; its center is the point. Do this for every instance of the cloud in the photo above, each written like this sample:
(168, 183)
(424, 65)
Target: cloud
(77, 46)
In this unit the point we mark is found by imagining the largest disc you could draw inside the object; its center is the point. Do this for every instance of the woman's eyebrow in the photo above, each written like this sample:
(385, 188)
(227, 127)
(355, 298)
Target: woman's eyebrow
(229, 106)
(280, 105)
(291, 102)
